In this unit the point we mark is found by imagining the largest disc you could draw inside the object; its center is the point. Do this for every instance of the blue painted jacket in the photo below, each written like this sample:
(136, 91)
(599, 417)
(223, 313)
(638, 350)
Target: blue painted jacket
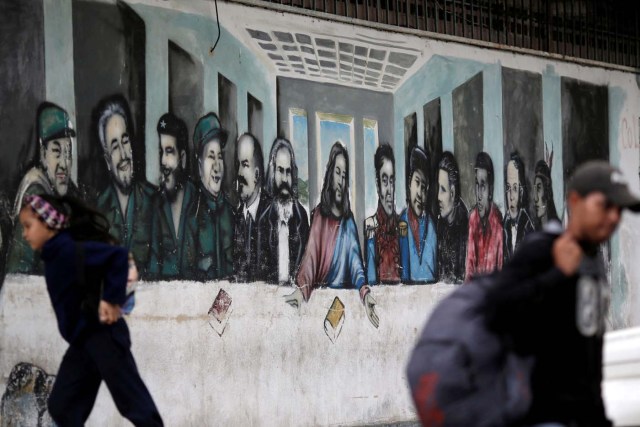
(418, 266)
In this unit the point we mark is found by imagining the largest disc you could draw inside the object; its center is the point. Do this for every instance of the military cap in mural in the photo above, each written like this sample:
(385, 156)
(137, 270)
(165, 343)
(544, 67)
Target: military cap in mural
(54, 122)
(208, 128)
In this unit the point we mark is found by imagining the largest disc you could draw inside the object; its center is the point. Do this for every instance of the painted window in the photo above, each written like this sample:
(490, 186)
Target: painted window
(370, 134)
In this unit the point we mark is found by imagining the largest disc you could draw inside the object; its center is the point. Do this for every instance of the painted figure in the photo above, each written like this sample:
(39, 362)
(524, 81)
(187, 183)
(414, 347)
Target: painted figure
(253, 203)
(484, 246)
(418, 241)
(543, 196)
(453, 222)
(172, 253)
(284, 225)
(517, 223)
(210, 222)
(127, 201)
(382, 250)
(50, 175)
(332, 257)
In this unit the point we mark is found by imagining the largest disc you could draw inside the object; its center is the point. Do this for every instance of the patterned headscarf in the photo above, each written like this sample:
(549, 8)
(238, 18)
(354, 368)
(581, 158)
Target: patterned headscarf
(46, 212)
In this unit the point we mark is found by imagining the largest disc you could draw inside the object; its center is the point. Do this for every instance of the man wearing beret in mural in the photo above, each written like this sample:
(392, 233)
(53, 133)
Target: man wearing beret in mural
(253, 203)
(284, 225)
(210, 224)
(418, 240)
(332, 257)
(517, 223)
(171, 253)
(484, 246)
(382, 252)
(453, 222)
(51, 175)
(127, 200)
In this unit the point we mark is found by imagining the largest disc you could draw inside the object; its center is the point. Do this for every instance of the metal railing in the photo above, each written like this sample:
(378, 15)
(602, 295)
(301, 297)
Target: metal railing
(600, 30)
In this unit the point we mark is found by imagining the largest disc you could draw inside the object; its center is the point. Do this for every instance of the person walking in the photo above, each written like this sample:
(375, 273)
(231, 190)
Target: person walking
(78, 252)
(551, 300)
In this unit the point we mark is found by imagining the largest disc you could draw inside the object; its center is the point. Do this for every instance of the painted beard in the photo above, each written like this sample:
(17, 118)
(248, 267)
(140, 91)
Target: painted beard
(124, 175)
(282, 195)
(179, 178)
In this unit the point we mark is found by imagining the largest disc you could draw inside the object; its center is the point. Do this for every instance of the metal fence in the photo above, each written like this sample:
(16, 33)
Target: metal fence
(600, 30)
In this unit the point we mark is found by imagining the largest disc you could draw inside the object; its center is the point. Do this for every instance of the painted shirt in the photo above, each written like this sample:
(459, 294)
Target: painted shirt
(332, 257)
(133, 227)
(418, 250)
(382, 250)
(514, 232)
(452, 244)
(271, 253)
(210, 228)
(485, 245)
(171, 253)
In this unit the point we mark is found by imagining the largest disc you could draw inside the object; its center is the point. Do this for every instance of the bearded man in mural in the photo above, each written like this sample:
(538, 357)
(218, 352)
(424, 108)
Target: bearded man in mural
(284, 225)
(382, 251)
(418, 240)
(453, 222)
(332, 257)
(51, 175)
(543, 196)
(253, 203)
(517, 223)
(171, 253)
(484, 246)
(210, 221)
(127, 201)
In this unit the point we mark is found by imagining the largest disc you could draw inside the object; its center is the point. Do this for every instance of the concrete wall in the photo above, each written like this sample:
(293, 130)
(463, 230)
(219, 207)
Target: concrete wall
(269, 70)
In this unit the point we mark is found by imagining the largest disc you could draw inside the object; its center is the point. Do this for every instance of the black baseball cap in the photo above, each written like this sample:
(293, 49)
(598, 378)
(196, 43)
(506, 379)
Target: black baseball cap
(600, 176)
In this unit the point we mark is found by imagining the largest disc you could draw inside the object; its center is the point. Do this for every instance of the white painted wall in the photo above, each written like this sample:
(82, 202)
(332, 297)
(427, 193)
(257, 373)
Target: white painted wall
(274, 365)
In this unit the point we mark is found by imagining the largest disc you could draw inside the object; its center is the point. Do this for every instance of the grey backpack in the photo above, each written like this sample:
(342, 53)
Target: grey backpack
(460, 372)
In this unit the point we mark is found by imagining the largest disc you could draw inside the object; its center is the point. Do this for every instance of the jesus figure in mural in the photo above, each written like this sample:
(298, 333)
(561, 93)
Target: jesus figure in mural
(332, 257)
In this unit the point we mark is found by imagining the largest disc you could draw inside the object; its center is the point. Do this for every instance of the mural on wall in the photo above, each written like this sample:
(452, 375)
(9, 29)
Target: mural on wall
(195, 201)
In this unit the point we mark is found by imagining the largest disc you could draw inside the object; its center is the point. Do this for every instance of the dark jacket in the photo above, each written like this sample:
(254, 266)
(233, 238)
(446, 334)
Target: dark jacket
(245, 246)
(452, 245)
(210, 231)
(102, 262)
(537, 309)
(171, 253)
(268, 241)
(134, 231)
(524, 226)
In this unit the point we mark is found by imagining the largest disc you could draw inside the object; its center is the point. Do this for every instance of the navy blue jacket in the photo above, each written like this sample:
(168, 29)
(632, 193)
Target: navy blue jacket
(102, 261)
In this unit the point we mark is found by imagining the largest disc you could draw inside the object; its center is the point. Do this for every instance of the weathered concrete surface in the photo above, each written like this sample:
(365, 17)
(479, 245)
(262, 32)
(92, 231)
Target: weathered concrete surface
(274, 365)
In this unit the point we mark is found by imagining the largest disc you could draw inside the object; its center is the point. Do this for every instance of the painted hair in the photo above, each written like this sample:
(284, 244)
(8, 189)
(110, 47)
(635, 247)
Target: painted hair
(114, 105)
(258, 159)
(483, 161)
(384, 151)
(449, 164)
(327, 186)
(543, 172)
(281, 144)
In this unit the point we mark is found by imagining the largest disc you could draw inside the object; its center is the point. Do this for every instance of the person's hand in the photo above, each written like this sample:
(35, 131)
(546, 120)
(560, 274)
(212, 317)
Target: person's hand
(294, 299)
(567, 254)
(370, 309)
(108, 313)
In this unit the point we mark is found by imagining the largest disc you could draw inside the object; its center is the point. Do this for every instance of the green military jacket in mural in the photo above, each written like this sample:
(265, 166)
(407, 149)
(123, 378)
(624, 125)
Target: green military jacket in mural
(172, 254)
(210, 225)
(134, 231)
(21, 258)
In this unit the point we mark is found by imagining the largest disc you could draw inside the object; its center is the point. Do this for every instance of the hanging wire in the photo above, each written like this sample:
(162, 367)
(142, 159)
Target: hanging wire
(219, 33)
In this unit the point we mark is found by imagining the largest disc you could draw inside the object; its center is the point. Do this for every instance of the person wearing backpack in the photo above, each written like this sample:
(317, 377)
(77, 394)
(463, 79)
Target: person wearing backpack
(79, 257)
(527, 350)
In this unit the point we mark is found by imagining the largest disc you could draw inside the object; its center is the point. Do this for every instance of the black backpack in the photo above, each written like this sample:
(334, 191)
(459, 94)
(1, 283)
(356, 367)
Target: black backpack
(463, 374)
